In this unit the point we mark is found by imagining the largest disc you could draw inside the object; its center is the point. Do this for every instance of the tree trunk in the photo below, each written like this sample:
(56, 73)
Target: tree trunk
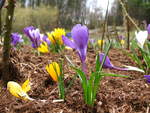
(0, 23)
(7, 46)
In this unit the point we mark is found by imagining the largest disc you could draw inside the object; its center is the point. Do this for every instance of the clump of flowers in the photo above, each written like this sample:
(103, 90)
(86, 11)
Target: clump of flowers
(35, 36)
(15, 39)
(140, 50)
(43, 48)
(55, 38)
(91, 85)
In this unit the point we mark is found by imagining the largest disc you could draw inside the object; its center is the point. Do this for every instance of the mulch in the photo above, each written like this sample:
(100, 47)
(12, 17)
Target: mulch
(116, 94)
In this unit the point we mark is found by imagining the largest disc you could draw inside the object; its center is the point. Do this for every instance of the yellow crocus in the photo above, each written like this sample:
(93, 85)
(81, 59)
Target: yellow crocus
(100, 42)
(51, 37)
(54, 70)
(43, 48)
(122, 42)
(68, 48)
(20, 92)
(56, 35)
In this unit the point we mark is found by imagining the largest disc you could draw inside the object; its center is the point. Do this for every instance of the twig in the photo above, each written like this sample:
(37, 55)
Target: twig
(128, 16)
(104, 25)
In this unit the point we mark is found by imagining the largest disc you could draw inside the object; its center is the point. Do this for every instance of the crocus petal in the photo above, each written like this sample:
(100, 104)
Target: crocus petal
(92, 41)
(100, 42)
(45, 38)
(68, 42)
(82, 54)
(141, 37)
(148, 28)
(80, 35)
(107, 63)
(68, 34)
(43, 48)
(147, 77)
(121, 37)
(54, 70)
(132, 68)
(27, 29)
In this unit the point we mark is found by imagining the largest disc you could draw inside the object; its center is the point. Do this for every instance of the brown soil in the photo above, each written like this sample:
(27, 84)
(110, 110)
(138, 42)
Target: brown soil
(116, 94)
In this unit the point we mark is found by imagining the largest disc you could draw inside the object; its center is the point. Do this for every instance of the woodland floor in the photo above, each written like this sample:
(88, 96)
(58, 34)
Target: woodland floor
(116, 94)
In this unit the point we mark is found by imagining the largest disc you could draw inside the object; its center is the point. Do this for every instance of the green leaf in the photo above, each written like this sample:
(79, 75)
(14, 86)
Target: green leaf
(83, 80)
(114, 75)
(61, 82)
(97, 63)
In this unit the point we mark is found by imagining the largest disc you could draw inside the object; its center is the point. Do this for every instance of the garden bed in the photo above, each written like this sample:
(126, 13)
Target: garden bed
(116, 94)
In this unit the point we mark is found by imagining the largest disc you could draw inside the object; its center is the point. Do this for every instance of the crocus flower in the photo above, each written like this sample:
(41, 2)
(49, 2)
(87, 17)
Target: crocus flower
(43, 48)
(147, 77)
(68, 34)
(122, 39)
(34, 35)
(27, 29)
(56, 36)
(108, 64)
(15, 39)
(92, 41)
(148, 30)
(100, 42)
(141, 37)
(19, 91)
(80, 35)
(45, 39)
(54, 70)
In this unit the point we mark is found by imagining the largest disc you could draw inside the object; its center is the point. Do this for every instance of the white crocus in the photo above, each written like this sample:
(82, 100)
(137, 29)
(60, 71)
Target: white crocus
(141, 37)
(134, 68)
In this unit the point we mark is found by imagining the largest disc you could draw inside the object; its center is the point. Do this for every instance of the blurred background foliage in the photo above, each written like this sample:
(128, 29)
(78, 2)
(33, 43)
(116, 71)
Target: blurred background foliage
(47, 14)
(138, 10)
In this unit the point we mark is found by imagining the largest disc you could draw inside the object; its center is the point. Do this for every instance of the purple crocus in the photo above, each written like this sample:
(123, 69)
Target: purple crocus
(45, 39)
(148, 28)
(92, 41)
(108, 64)
(121, 37)
(15, 39)
(27, 29)
(68, 34)
(34, 35)
(80, 36)
(147, 77)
